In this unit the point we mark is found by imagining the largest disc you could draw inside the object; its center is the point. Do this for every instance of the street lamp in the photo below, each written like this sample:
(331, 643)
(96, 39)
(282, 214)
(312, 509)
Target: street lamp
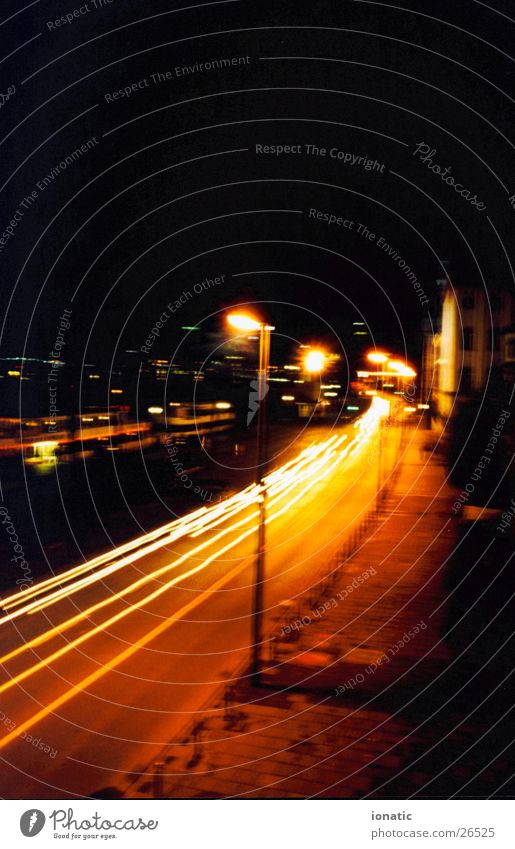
(314, 361)
(379, 358)
(401, 370)
(245, 322)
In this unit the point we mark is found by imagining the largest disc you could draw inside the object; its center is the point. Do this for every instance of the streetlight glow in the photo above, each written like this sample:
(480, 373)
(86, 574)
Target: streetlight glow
(243, 321)
(401, 368)
(377, 357)
(314, 361)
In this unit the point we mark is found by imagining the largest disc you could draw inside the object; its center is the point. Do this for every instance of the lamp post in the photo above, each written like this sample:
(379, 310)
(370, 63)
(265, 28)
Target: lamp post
(314, 363)
(243, 321)
(379, 358)
(401, 370)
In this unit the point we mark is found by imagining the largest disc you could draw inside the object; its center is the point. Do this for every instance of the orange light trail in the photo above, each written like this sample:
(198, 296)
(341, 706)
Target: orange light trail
(285, 486)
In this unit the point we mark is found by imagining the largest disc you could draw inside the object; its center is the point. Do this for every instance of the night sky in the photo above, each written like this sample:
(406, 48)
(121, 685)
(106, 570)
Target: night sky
(171, 191)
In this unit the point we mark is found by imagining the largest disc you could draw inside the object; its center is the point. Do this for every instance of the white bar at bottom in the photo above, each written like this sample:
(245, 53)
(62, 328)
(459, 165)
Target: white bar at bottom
(259, 824)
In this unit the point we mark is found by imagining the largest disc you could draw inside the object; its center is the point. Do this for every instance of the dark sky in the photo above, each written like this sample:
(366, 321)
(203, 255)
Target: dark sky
(172, 191)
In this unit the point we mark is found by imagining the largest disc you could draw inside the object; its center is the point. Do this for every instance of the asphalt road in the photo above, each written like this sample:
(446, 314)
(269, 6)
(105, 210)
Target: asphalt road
(97, 679)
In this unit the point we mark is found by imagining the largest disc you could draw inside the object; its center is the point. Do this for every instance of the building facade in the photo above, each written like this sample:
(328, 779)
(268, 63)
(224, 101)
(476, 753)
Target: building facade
(472, 347)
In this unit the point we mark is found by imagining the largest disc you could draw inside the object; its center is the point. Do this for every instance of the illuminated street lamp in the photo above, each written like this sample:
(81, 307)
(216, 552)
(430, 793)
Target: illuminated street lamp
(401, 370)
(314, 361)
(379, 358)
(246, 322)
(243, 321)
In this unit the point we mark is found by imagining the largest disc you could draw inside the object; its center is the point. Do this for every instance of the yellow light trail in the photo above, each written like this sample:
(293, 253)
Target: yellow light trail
(284, 477)
(316, 462)
(84, 614)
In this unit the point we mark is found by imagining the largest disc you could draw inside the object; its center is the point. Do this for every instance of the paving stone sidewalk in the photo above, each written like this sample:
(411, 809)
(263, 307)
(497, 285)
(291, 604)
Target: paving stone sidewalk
(362, 696)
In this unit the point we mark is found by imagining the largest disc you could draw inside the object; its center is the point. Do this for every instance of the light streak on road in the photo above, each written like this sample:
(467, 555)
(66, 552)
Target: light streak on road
(286, 486)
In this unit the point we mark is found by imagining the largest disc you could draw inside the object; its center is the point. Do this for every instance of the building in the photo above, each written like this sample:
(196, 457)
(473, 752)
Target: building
(472, 347)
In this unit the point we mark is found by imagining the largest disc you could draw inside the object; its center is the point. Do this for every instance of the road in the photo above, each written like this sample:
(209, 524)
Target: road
(104, 664)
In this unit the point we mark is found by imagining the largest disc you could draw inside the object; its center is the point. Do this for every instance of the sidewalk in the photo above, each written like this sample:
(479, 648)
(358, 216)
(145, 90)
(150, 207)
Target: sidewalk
(360, 696)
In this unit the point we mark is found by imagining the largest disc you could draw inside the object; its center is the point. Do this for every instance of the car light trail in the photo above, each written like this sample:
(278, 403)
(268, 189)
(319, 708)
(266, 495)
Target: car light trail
(286, 486)
(83, 615)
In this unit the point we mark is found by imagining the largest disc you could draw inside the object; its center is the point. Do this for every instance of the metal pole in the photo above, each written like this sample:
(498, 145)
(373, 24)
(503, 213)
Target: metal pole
(257, 612)
(380, 467)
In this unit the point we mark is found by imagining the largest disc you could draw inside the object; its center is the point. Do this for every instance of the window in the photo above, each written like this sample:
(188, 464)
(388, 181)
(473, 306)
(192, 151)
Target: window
(468, 302)
(468, 338)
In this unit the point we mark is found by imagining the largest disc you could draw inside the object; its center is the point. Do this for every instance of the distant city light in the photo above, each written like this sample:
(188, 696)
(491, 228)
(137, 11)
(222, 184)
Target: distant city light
(223, 405)
(331, 394)
(352, 407)
(44, 452)
(423, 406)
(287, 397)
(116, 391)
(155, 411)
